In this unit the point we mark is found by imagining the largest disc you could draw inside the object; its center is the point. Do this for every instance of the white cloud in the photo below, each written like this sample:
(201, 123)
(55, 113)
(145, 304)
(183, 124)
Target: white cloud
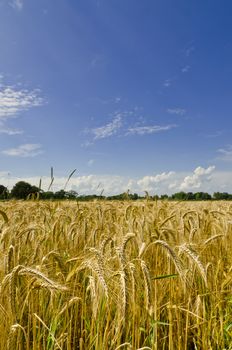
(86, 184)
(196, 180)
(225, 153)
(26, 150)
(148, 182)
(143, 130)
(172, 185)
(200, 171)
(13, 101)
(177, 111)
(168, 182)
(17, 4)
(92, 184)
(108, 129)
(123, 124)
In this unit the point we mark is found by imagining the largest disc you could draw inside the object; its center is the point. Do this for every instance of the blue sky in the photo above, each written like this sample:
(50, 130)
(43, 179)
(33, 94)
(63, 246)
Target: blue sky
(134, 94)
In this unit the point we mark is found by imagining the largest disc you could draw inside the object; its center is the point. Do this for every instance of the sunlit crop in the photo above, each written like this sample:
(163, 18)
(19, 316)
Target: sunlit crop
(116, 275)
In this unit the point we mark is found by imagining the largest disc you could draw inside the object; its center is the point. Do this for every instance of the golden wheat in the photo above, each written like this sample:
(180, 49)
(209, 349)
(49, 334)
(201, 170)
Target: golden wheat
(115, 275)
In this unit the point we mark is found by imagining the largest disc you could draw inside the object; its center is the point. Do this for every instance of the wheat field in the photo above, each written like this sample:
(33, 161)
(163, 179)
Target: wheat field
(116, 275)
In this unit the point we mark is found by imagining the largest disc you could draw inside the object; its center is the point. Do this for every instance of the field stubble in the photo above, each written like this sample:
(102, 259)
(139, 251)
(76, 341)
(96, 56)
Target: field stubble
(116, 275)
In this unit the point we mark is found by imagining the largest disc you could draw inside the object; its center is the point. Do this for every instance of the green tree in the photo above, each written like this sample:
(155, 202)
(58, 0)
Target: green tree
(72, 194)
(202, 196)
(3, 192)
(221, 195)
(22, 190)
(179, 196)
(190, 196)
(47, 195)
(164, 196)
(60, 194)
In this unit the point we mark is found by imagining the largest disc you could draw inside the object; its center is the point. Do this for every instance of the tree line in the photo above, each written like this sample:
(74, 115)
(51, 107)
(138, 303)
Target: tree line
(24, 190)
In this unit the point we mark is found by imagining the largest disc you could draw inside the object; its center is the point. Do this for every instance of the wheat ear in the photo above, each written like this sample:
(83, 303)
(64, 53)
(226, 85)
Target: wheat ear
(100, 269)
(195, 258)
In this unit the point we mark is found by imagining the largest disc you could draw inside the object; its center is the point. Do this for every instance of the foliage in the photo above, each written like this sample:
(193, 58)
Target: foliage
(3, 192)
(22, 190)
(222, 196)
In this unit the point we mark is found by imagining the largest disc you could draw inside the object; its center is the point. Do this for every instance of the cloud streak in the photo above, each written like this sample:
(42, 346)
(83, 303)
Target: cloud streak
(123, 124)
(9, 131)
(225, 154)
(151, 129)
(24, 151)
(107, 130)
(177, 111)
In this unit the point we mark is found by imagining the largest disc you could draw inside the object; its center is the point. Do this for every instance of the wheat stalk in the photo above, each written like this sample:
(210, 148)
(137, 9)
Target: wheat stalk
(147, 284)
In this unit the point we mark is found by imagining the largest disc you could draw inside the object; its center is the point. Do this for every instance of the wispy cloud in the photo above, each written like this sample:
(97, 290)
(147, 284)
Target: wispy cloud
(125, 123)
(214, 134)
(9, 131)
(185, 69)
(143, 130)
(167, 83)
(117, 99)
(26, 150)
(225, 153)
(114, 127)
(189, 50)
(16, 4)
(13, 101)
(108, 129)
(106, 101)
(177, 111)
